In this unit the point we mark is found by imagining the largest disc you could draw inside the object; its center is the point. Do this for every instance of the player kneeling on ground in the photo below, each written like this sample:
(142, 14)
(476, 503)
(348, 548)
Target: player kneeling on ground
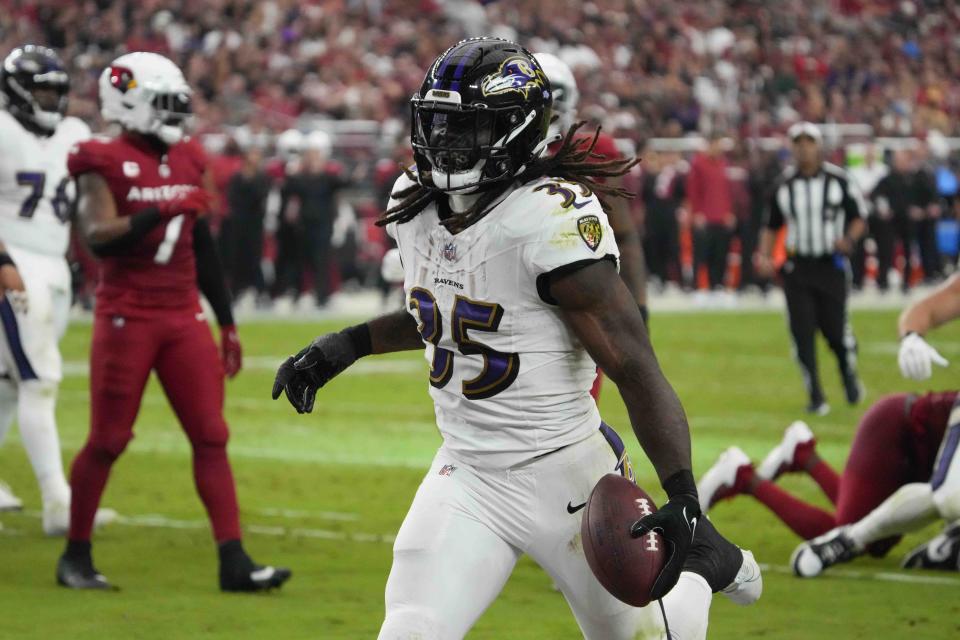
(510, 274)
(141, 209)
(882, 493)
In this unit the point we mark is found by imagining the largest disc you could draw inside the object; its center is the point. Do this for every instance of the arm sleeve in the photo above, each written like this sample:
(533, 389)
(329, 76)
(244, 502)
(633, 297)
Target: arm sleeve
(141, 223)
(210, 273)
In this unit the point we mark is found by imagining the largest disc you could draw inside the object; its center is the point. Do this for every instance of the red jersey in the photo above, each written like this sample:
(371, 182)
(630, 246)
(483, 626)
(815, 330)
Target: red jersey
(929, 416)
(159, 273)
(708, 188)
(606, 146)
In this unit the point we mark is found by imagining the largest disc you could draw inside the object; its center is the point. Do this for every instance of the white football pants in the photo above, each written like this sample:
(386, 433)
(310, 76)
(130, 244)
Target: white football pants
(467, 527)
(31, 367)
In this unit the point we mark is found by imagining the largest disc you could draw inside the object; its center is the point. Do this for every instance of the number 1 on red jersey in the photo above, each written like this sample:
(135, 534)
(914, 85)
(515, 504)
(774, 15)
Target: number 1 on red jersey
(170, 237)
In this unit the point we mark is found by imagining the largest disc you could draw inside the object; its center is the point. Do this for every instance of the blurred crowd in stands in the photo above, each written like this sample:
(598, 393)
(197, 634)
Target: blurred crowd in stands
(298, 215)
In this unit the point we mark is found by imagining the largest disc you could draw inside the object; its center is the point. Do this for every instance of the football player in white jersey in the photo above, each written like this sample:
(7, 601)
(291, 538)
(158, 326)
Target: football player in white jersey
(35, 199)
(510, 273)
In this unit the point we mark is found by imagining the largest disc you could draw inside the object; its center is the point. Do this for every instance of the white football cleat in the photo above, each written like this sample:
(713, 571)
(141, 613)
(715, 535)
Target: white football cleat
(813, 557)
(56, 518)
(720, 481)
(782, 458)
(8, 501)
(748, 585)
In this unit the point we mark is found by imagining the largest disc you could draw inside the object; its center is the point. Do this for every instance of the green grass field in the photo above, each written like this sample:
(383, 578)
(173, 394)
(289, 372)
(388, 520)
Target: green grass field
(325, 493)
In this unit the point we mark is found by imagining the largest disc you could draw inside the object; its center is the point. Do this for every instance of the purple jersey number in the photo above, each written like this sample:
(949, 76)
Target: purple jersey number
(431, 328)
(35, 180)
(499, 369)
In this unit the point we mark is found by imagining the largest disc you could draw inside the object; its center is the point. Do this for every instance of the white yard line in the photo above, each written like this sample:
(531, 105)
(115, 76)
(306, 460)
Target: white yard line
(879, 576)
(265, 403)
(358, 459)
(337, 516)
(81, 368)
(157, 521)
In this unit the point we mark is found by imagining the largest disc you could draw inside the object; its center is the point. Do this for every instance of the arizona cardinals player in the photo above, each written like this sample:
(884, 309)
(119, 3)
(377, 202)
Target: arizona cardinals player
(141, 208)
(883, 492)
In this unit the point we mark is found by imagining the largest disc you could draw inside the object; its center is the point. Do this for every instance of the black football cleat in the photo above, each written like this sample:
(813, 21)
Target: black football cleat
(79, 573)
(727, 568)
(238, 572)
(941, 553)
(256, 578)
(812, 557)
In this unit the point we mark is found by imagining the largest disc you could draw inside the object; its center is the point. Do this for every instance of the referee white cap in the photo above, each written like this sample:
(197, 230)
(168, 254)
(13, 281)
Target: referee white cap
(808, 129)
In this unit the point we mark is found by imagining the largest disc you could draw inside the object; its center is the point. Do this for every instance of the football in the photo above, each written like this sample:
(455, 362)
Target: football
(627, 567)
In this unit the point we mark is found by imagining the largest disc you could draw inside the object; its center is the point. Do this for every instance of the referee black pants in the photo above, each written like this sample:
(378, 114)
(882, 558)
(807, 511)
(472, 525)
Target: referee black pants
(816, 291)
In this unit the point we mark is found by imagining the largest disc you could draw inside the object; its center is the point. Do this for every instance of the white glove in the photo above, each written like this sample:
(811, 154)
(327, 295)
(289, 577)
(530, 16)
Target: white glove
(916, 357)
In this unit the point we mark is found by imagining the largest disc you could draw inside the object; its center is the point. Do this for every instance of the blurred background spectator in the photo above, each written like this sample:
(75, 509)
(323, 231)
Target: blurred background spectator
(662, 195)
(309, 206)
(710, 193)
(247, 192)
(866, 172)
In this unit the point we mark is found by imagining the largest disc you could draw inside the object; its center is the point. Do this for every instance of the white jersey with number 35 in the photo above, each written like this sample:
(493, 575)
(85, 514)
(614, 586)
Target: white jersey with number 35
(508, 379)
(36, 192)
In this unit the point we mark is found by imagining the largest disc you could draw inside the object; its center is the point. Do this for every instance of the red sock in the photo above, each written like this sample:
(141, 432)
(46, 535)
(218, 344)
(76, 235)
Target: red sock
(88, 478)
(214, 480)
(806, 520)
(828, 479)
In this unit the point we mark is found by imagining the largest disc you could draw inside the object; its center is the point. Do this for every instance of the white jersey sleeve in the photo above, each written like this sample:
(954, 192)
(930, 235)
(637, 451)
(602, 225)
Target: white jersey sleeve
(576, 229)
(36, 193)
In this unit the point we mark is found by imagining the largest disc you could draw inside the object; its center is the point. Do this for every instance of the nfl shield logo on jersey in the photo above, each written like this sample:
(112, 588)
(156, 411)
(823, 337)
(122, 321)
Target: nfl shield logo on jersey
(131, 169)
(449, 251)
(591, 231)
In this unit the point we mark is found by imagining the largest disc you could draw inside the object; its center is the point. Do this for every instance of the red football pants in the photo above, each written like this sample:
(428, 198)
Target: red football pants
(180, 348)
(880, 462)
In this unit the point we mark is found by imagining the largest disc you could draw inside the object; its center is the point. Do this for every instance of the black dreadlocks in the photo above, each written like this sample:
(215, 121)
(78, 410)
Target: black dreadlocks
(572, 162)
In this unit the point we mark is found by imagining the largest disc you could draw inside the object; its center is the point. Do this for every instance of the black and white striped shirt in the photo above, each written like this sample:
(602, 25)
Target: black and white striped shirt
(816, 209)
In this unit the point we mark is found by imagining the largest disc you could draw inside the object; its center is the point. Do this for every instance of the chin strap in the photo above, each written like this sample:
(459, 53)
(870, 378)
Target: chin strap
(543, 145)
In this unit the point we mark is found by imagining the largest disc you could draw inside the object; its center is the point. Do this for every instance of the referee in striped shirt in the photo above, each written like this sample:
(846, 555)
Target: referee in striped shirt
(823, 212)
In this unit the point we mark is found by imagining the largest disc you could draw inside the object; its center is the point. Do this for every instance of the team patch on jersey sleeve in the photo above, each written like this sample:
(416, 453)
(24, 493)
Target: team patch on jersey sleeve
(591, 231)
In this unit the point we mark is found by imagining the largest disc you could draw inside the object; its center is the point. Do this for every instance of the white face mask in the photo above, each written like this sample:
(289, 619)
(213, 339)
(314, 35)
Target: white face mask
(49, 120)
(170, 134)
(462, 182)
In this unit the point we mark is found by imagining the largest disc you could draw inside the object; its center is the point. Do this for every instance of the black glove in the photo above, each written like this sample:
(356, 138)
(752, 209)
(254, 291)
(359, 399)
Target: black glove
(676, 521)
(300, 376)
